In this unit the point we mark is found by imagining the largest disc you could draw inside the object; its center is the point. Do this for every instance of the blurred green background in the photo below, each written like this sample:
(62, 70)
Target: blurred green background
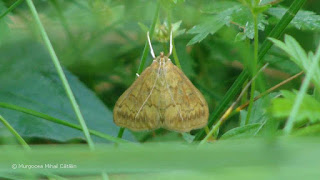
(100, 44)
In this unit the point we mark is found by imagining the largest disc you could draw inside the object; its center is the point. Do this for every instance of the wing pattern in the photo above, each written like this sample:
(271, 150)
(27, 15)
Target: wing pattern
(186, 108)
(162, 96)
(137, 108)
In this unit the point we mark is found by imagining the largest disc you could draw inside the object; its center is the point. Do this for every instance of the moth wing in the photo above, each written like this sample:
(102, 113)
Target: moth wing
(186, 108)
(137, 107)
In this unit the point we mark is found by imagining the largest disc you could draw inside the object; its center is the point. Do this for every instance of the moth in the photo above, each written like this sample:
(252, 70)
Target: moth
(161, 97)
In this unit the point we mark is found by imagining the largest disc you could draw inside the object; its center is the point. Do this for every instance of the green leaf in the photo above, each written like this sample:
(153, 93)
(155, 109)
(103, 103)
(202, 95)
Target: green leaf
(261, 9)
(28, 79)
(309, 108)
(264, 2)
(312, 130)
(212, 24)
(143, 27)
(306, 20)
(266, 45)
(226, 13)
(259, 114)
(244, 20)
(278, 60)
(176, 31)
(298, 56)
(240, 37)
(217, 7)
(188, 137)
(249, 130)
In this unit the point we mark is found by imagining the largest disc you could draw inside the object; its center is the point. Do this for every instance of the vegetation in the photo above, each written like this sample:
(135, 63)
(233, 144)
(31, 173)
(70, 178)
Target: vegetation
(64, 64)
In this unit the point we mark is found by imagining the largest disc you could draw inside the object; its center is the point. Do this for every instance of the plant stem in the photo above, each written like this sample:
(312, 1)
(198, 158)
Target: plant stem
(245, 104)
(212, 131)
(61, 74)
(174, 51)
(15, 133)
(228, 113)
(120, 133)
(303, 89)
(145, 51)
(255, 65)
(276, 32)
(146, 46)
(164, 46)
(175, 55)
(12, 7)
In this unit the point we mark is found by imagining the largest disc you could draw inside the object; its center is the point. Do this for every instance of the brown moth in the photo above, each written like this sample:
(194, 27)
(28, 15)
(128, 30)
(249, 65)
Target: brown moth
(161, 97)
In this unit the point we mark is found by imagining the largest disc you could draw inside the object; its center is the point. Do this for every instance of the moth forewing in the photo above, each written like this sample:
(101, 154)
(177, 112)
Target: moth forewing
(136, 108)
(162, 96)
(186, 107)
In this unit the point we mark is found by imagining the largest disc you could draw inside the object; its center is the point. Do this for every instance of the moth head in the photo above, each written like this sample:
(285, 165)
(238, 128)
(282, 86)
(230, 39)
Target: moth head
(162, 58)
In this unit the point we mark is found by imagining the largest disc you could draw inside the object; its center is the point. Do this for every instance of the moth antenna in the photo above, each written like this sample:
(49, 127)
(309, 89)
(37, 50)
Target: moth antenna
(170, 50)
(150, 45)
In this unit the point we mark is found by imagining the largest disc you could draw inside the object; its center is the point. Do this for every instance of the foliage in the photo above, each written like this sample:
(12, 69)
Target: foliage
(299, 56)
(39, 88)
(309, 109)
(306, 20)
(226, 13)
(102, 45)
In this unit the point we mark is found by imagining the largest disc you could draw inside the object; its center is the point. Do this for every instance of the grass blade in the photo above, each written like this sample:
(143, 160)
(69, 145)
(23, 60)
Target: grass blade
(146, 46)
(61, 74)
(12, 7)
(303, 89)
(15, 133)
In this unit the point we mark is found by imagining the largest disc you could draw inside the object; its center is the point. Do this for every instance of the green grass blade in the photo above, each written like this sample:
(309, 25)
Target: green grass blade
(15, 133)
(266, 45)
(146, 46)
(303, 89)
(61, 74)
(175, 55)
(277, 31)
(59, 121)
(174, 51)
(11, 8)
